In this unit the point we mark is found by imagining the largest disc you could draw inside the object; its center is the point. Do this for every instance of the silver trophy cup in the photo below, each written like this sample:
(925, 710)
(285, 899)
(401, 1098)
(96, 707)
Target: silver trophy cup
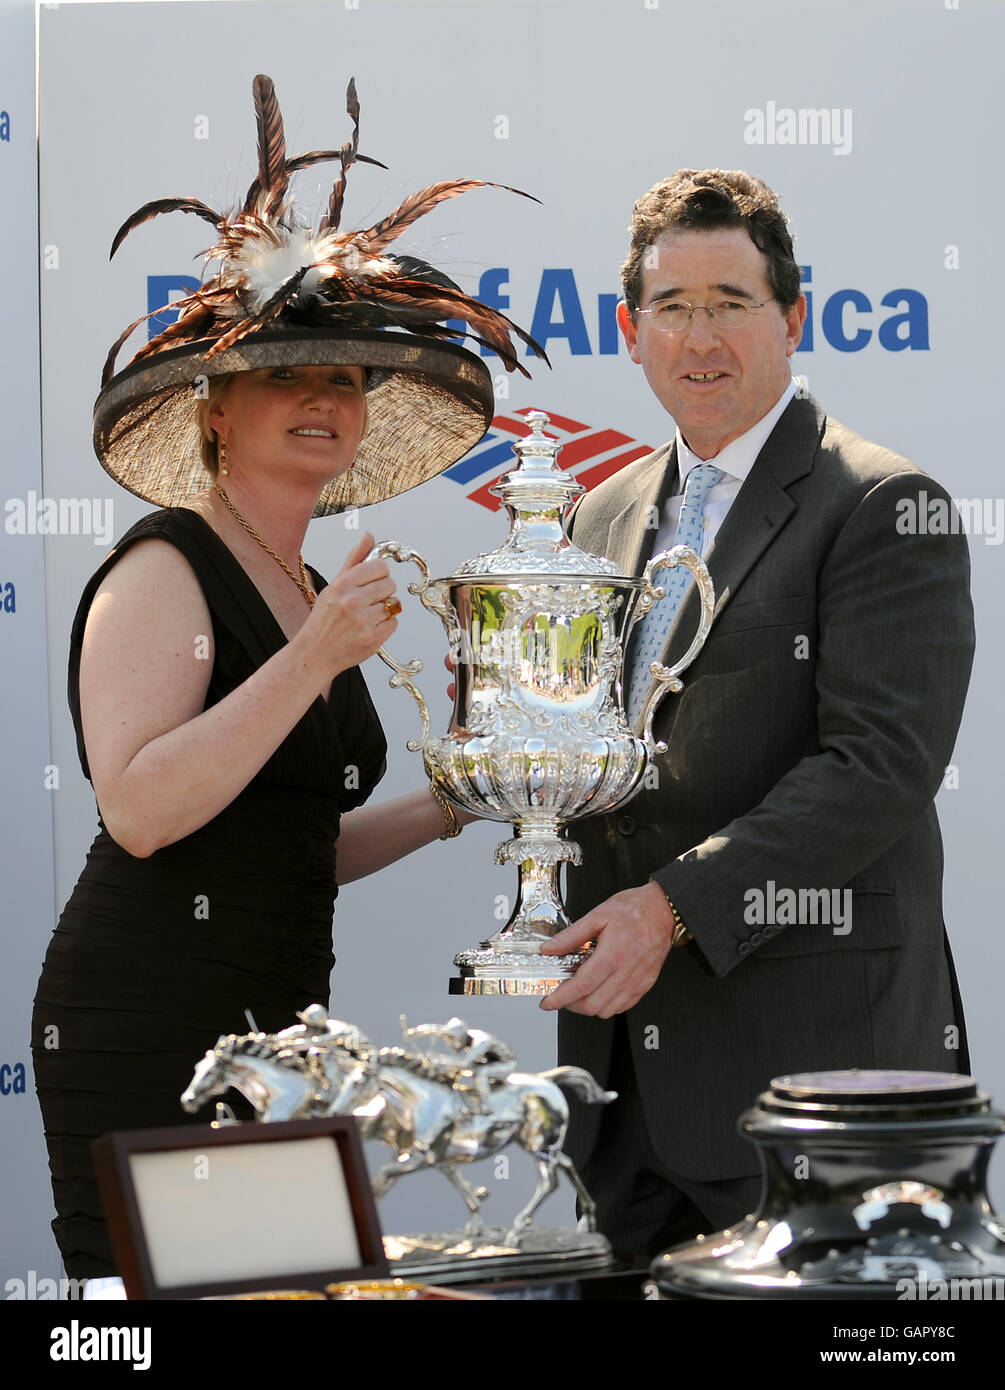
(538, 631)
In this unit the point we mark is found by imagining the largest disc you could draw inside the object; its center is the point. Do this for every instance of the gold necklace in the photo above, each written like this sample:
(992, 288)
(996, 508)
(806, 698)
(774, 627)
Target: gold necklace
(301, 583)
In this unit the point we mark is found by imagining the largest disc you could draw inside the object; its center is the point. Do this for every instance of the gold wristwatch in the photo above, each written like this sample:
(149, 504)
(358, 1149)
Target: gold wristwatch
(681, 935)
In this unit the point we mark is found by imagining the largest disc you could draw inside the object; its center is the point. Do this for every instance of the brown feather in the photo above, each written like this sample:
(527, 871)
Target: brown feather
(418, 300)
(109, 366)
(155, 208)
(439, 330)
(347, 156)
(304, 161)
(416, 304)
(187, 327)
(342, 313)
(442, 302)
(418, 204)
(273, 176)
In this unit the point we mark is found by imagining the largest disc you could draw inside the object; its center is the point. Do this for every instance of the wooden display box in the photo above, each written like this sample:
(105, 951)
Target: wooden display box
(196, 1211)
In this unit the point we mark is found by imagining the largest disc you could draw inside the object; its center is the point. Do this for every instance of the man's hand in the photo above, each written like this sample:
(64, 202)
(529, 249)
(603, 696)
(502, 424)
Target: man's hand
(633, 931)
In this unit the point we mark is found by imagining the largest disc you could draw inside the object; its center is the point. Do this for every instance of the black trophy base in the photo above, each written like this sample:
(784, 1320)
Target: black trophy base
(874, 1189)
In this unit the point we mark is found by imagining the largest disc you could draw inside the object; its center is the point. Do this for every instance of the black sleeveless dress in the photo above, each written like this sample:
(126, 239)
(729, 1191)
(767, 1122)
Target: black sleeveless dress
(152, 959)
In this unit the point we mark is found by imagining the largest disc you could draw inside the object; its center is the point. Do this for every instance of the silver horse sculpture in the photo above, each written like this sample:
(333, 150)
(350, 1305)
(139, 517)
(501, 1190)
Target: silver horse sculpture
(433, 1111)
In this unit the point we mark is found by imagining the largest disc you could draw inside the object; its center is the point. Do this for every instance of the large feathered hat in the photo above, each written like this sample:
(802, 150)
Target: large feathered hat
(286, 293)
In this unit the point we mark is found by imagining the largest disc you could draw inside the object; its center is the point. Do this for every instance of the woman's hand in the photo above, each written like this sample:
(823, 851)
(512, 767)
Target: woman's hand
(349, 620)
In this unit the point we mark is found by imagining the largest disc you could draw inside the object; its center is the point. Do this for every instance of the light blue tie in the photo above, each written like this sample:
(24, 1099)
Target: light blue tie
(651, 637)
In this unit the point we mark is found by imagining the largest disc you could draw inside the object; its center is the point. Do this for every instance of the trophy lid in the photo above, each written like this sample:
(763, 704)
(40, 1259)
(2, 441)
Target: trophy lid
(537, 494)
(844, 1097)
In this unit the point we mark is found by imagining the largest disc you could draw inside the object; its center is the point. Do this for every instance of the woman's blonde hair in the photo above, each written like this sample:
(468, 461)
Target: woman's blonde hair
(209, 440)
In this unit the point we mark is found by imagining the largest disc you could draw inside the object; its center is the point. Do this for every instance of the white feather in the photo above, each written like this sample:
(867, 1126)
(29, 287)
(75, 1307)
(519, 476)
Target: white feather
(259, 267)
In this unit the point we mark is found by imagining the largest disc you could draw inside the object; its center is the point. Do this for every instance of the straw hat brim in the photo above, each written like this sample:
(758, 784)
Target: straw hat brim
(433, 401)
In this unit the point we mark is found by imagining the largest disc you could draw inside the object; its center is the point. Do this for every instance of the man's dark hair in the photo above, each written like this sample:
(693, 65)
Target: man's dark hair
(704, 200)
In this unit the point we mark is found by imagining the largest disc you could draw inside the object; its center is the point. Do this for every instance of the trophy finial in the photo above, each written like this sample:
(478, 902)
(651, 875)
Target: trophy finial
(537, 450)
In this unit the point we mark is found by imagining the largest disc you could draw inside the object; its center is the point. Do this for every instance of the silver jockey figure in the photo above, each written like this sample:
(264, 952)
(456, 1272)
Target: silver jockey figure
(482, 1059)
(318, 1030)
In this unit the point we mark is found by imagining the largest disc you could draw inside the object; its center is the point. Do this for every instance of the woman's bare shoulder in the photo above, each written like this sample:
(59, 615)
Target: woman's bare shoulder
(154, 574)
(146, 660)
(148, 610)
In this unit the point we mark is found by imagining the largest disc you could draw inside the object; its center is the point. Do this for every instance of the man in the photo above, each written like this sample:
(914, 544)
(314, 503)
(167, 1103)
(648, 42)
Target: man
(790, 852)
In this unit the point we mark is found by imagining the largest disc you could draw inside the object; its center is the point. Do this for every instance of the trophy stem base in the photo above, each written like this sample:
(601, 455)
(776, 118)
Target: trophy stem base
(468, 984)
(489, 972)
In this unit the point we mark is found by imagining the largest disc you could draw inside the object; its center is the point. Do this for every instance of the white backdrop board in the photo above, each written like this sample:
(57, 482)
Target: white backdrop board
(869, 119)
(28, 782)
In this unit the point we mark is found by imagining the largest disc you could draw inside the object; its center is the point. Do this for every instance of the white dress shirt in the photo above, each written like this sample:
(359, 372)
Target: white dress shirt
(736, 461)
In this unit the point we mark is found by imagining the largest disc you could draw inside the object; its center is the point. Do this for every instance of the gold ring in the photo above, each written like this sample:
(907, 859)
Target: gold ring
(392, 607)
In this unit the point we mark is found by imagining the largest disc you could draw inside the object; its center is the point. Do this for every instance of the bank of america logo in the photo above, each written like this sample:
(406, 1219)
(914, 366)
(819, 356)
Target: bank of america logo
(589, 453)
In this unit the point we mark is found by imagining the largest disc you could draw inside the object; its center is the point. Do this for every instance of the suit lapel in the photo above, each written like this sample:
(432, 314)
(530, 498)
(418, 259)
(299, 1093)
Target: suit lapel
(630, 540)
(756, 519)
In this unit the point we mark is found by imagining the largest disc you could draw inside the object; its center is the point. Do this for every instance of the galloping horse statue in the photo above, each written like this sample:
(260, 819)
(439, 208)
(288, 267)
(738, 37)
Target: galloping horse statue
(282, 1075)
(433, 1111)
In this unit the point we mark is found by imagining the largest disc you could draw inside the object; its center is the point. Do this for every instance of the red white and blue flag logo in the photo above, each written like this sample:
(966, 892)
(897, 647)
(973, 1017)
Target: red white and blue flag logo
(589, 453)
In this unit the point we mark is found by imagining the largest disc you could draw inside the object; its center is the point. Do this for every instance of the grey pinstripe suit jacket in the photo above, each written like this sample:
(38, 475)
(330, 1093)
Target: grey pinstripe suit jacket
(805, 751)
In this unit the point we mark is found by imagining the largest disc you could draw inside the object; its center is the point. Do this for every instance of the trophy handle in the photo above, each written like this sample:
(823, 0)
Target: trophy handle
(668, 676)
(433, 598)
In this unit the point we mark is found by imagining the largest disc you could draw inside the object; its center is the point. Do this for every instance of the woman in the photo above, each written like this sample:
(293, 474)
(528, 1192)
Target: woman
(218, 707)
